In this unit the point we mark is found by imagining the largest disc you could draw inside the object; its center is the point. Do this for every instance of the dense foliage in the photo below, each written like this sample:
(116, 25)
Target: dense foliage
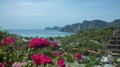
(2, 34)
(82, 48)
(97, 38)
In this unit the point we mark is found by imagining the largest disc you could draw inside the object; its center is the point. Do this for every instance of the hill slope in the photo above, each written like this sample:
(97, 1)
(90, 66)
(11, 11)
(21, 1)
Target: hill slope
(89, 38)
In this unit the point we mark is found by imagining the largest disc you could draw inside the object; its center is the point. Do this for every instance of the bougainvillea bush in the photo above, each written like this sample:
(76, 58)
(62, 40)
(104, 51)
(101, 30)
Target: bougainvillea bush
(39, 43)
(13, 56)
(38, 52)
(41, 59)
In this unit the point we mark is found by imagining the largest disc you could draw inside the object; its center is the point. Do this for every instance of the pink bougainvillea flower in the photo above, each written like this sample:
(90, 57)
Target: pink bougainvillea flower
(8, 40)
(54, 44)
(2, 64)
(38, 42)
(1, 43)
(78, 56)
(61, 63)
(41, 59)
(57, 53)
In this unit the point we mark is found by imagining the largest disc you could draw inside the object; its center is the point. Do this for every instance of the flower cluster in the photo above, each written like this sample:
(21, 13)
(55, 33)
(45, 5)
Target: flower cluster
(8, 40)
(57, 53)
(2, 64)
(38, 42)
(61, 63)
(19, 64)
(78, 56)
(54, 44)
(41, 59)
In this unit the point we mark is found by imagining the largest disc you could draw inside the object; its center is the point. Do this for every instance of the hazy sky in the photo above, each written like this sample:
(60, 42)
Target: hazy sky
(38, 14)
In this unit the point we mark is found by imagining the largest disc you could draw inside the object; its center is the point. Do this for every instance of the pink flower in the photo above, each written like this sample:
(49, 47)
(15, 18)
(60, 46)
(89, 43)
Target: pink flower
(2, 64)
(38, 42)
(41, 59)
(78, 56)
(8, 40)
(54, 44)
(56, 53)
(1, 43)
(61, 63)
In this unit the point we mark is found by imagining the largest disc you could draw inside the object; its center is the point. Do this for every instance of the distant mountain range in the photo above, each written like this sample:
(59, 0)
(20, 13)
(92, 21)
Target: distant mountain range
(94, 24)
(53, 28)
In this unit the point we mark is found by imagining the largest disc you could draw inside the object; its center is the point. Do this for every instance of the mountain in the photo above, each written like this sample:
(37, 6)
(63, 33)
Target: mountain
(115, 23)
(94, 24)
(53, 28)
(70, 28)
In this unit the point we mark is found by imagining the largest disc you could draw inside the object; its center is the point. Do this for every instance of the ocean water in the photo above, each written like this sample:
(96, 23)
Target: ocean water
(39, 33)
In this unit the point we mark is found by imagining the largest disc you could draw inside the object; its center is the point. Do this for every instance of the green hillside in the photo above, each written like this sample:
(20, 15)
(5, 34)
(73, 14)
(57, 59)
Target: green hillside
(95, 39)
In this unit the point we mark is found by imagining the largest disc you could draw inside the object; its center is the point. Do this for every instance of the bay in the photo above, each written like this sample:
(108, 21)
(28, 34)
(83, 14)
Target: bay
(39, 33)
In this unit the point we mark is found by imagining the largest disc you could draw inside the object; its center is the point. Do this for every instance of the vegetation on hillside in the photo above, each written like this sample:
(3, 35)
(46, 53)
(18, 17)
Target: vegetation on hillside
(15, 51)
(2, 34)
(95, 39)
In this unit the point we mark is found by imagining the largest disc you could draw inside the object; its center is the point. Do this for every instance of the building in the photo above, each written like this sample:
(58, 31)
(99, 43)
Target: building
(114, 43)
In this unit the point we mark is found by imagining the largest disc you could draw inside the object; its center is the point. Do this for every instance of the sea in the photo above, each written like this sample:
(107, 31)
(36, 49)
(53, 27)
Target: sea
(40, 33)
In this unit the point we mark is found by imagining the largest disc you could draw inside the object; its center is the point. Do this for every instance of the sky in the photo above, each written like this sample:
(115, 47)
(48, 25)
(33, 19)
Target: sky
(38, 14)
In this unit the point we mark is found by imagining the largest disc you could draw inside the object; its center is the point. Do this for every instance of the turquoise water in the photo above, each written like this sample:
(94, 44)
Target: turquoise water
(39, 33)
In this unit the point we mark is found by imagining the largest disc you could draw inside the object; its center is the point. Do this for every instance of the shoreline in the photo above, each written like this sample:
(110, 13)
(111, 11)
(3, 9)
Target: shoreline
(40, 33)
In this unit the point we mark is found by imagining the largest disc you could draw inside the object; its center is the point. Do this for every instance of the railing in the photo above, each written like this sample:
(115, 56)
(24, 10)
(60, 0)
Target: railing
(118, 50)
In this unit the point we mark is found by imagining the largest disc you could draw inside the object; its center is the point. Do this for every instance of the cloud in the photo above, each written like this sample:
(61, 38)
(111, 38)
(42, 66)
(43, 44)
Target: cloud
(30, 3)
(29, 14)
(25, 3)
(18, 14)
(33, 14)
